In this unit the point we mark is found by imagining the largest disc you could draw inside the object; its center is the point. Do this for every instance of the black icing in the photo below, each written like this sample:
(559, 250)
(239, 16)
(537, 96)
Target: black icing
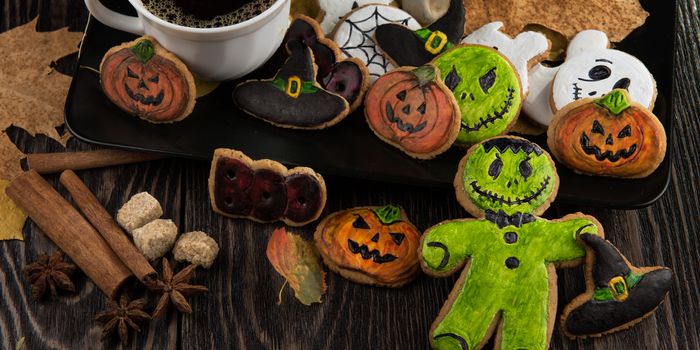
(608, 261)
(595, 151)
(402, 45)
(493, 196)
(501, 219)
(460, 340)
(300, 63)
(512, 263)
(484, 122)
(452, 79)
(452, 22)
(400, 124)
(510, 237)
(445, 253)
(514, 144)
(367, 254)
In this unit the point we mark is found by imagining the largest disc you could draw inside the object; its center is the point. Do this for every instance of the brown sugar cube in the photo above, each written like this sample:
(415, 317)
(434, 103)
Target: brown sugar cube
(141, 209)
(155, 238)
(196, 248)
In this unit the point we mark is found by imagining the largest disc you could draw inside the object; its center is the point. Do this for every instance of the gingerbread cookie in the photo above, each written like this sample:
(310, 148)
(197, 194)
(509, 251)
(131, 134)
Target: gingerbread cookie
(293, 98)
(487, 89)
(355, 35)
(609, 136)
(523, 51)
(370, 245)
(618, 295)
(144, 79)
(406, 47)
(264, 190)
(335, 10)
(508, 254)
(426, 11)
(411, 109)
(346, 77)
(591, 69)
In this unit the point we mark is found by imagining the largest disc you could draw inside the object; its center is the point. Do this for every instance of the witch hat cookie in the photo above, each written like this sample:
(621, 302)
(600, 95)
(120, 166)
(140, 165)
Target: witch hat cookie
(618, 295)
(293, 98)
(416, 48)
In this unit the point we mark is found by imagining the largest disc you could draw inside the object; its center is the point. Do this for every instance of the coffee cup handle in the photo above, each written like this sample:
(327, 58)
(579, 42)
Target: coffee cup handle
(113, 19)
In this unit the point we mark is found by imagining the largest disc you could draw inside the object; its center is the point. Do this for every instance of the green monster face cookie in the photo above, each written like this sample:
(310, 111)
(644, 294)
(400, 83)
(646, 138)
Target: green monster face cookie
(486, 87)
(508, 174)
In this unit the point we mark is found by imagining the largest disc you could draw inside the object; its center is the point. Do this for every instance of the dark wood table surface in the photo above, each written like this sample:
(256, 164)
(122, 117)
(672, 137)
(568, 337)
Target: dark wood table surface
(241, 310)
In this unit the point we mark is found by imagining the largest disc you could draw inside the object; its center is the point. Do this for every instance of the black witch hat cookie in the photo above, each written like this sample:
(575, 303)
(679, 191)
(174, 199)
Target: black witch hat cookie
(416, 48)
(618, 295)
(293, 98)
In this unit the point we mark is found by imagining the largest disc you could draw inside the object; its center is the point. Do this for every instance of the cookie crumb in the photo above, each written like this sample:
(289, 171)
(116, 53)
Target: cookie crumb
(196, 248)
(141, 209)
(156, 238)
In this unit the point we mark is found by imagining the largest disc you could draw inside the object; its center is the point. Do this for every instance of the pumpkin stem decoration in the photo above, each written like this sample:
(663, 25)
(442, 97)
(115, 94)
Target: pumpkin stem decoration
(424, 74)
(144, 50)
(388, 214)
(615, 102)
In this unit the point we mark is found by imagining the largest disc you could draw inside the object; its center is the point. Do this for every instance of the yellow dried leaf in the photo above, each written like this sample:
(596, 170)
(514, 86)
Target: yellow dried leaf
(11, 217)
(32, 94)
(298, 262)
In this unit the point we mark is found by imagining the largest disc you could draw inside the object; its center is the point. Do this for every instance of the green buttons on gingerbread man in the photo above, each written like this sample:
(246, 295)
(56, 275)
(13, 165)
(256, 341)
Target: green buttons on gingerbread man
(509, 282)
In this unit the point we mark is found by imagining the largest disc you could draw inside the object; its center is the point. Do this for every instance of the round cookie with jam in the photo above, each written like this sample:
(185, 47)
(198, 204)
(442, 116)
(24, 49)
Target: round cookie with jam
(487, 88)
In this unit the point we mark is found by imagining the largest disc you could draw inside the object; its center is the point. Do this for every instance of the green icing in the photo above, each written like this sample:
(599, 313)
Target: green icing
(521, 294)
(144, 50)
(615, 101)
(487, 109)
(519, 193)
(307, 87)
(388, 214)
(605, 294)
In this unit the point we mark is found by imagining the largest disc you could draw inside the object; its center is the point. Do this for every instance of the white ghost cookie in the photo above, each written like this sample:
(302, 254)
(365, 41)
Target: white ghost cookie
(536, 105)
(334, 10)
(426, 11)
(524, 51)
(592, 69)
(355, 35)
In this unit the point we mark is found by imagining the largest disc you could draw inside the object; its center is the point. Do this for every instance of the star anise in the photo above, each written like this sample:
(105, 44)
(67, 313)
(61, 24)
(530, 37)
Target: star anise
(174, 289)
(121, 314)
(50, 273)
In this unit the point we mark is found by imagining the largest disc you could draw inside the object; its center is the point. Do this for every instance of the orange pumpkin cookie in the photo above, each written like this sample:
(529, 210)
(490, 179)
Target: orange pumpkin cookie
(370, 245)
(413, 110)
(144, 79)
(610, 136)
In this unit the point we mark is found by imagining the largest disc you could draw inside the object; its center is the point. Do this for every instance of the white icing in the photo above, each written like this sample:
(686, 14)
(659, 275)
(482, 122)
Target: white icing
(334, 10)
(588, 52)
(426, 11)
(355, 35)
(519, 50)
(537, 106)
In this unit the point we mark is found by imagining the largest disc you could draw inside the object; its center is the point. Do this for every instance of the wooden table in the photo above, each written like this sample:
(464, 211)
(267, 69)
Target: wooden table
(241, 311)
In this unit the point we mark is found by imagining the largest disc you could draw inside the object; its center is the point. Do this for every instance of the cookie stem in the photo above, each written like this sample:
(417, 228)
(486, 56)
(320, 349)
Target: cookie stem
(424, 74)
(615, 102)
(144, 50)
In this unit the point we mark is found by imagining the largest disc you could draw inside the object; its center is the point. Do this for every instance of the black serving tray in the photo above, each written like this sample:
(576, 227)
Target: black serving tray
(349, 149)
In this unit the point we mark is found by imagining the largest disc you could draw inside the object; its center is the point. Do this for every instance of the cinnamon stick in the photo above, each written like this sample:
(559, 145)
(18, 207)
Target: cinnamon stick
(48, 163)
(107, 227)
(69, 230)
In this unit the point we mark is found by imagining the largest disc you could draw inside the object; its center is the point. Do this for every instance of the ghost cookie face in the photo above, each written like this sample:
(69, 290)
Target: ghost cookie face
(486, 87)
(506, 174)
(335, 10)
(355, 35)
(610, 136)
(592, 70)
(145, 80)
(370, 245)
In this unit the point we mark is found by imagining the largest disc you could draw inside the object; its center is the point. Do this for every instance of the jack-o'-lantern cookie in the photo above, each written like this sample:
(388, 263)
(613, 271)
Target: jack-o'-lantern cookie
(370, 245)
(145, 80)
(609, 136)
(618, 295)
(264, 190)
(293, 98)
(508, 255)
(487, 89)
(412, 109)
(406, 47)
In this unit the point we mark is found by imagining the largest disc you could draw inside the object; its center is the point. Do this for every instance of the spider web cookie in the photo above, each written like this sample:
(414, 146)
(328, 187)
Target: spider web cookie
(354, 34)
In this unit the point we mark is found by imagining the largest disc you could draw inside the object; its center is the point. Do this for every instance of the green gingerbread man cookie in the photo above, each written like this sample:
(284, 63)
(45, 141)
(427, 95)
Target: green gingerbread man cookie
(509, 283)
(487, 89)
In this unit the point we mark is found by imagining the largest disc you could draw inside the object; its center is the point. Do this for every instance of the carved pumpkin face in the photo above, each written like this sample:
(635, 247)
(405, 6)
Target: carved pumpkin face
(608, 136)
(409, 109)
(486, 87)
(377, 244)
(144, 82)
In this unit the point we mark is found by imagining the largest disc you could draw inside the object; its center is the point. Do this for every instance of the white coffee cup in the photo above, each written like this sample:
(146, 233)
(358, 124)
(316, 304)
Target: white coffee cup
(210, 53)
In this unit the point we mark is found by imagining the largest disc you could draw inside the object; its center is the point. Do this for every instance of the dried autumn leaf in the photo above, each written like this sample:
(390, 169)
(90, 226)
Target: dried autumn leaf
(298, 262)
(617, 18)
(32, 94)
(11, 216)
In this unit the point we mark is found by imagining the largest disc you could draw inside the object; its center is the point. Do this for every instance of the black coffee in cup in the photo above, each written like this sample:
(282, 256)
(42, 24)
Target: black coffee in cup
(207, 13)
